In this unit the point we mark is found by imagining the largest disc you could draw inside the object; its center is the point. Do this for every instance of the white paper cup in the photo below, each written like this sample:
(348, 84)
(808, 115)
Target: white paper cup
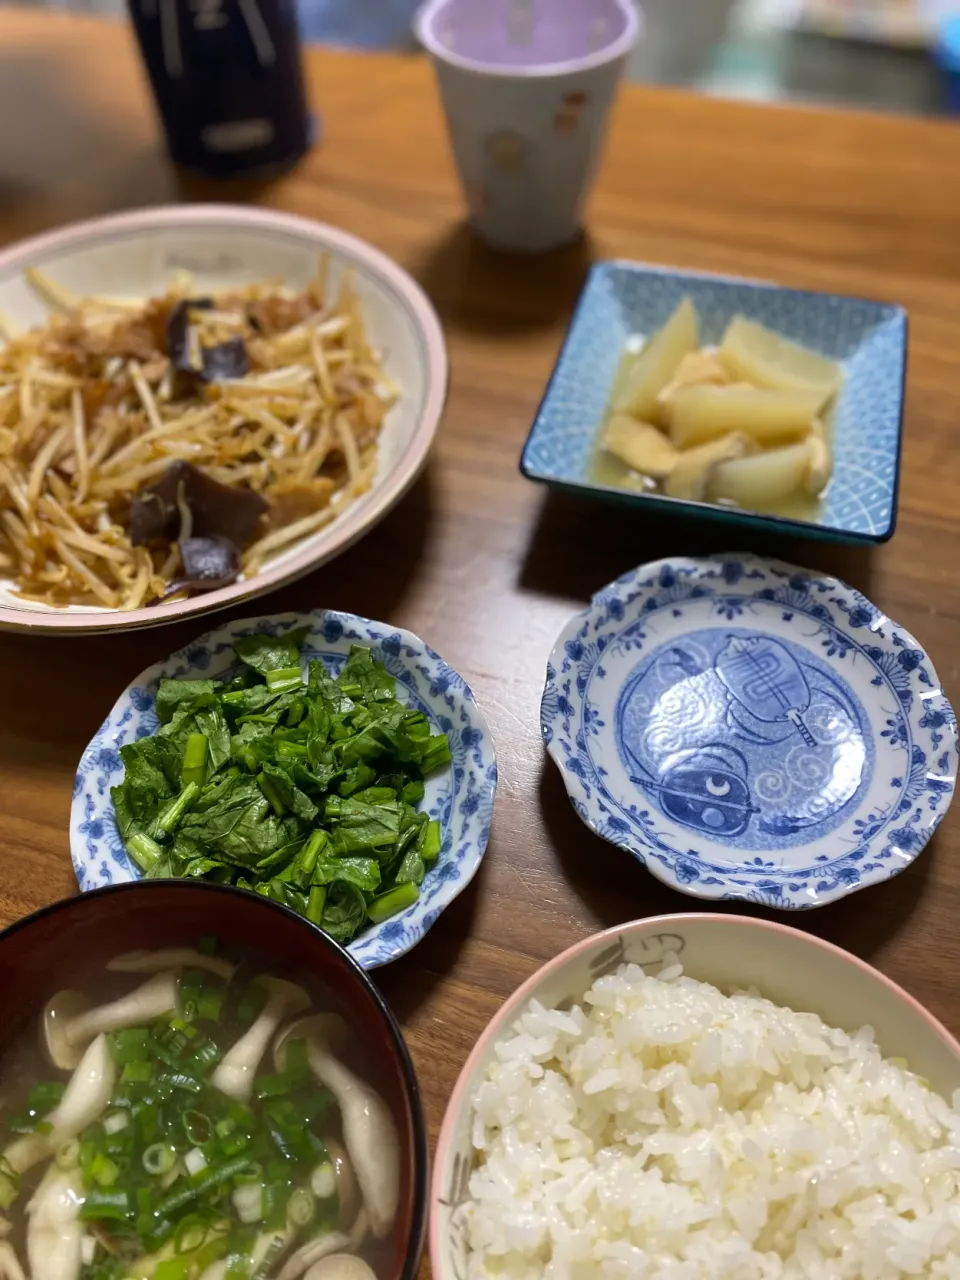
(527, 87)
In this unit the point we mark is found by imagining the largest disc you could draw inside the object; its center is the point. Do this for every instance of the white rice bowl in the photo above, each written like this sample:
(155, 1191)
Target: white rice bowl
(663, 1129)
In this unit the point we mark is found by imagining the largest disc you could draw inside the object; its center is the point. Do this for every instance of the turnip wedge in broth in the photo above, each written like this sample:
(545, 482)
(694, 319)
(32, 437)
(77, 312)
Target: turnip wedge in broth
(204, 1122)
(154, 448)
(303, 787)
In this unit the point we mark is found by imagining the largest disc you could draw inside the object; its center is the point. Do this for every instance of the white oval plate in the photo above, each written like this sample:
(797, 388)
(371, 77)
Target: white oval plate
(749, 730)
(460, 797)
(224, 246)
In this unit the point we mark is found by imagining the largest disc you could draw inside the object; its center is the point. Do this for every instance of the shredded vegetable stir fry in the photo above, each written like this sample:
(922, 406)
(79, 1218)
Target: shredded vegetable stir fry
(149, 448)
(205, 1122)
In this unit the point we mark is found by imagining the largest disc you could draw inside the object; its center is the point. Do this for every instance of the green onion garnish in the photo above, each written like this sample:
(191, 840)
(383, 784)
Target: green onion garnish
(159, 1158)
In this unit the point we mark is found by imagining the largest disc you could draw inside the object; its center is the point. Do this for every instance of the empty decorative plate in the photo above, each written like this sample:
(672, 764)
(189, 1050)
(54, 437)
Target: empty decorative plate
(750, 730)
(460, 797)
(627, 300)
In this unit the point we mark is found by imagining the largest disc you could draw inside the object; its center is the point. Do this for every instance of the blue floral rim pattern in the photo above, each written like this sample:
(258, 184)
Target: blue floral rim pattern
(461, 797)
(749, 730)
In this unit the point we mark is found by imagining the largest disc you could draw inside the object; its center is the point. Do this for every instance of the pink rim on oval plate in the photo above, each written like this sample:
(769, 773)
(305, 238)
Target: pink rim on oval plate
(942, 1048)
(405, 295)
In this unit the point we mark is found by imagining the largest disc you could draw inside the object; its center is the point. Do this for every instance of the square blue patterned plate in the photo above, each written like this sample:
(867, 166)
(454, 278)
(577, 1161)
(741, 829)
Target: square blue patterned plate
(623, 299)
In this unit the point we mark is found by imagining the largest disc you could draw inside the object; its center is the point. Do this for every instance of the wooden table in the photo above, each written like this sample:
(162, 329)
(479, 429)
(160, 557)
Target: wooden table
(484, 565)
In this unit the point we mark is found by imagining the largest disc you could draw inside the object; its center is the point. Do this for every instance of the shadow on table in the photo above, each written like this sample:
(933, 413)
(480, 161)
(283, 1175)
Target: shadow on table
(482, 290)
(580, 544)
(617, 888)
(410, 981)
(372, 577)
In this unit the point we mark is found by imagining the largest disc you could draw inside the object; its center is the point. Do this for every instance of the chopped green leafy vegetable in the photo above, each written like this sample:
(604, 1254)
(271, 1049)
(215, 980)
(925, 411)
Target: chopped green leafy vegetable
(302, 789)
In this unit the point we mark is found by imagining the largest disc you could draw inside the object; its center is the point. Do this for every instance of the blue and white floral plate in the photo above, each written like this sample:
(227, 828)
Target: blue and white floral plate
(749, 730)
(461, 797)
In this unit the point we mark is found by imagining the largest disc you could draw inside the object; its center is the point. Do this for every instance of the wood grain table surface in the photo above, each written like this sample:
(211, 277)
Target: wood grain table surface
(482, 564)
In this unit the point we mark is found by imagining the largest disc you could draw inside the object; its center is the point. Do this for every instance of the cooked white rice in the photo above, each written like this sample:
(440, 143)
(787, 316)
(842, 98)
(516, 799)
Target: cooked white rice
(664, 1129)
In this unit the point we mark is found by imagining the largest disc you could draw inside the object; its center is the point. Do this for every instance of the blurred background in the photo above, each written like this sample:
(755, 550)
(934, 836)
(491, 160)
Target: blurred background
(877, 54)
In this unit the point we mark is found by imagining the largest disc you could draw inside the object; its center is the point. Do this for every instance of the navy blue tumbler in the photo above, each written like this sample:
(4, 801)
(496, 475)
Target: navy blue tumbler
(228, 79)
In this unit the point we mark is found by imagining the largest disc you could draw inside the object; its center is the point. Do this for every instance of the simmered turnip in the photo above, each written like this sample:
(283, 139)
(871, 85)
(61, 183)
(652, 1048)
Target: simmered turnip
(752, 353)
(657, 362)
(821, 459)
(640, 446)
(691, 476)
(770, 417)
(698, 369)
(762, 479)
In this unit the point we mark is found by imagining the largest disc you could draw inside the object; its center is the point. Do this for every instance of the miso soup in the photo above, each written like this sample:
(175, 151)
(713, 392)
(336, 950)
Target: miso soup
(189, 1116)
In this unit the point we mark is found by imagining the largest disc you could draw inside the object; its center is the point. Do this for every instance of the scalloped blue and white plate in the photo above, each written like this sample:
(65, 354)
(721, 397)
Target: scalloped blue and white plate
(750, 730)
(460, 797)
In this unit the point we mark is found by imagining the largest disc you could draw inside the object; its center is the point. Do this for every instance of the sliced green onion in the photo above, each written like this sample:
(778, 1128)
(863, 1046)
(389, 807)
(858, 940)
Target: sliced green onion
(111, 1205)
(193, 769)
(253, 1174)
(195, 1161)
(68, 1156)
(300, 1207)
(248, 1202)
(137, 1073)
(192, 1232)
(103, 1170)
(172, 1269)
(207, 1054)
(234, 1144)
(201, 998)
(214, 1176)
(115, 1122)
(130, 1045)
(198, 1127)
(273, 1086)
(180, 1080)
(159, 1158)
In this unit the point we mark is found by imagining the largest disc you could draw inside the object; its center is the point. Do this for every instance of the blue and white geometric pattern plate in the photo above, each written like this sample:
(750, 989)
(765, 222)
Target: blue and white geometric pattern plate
(623, 299)
(749, 730)
(461, 797)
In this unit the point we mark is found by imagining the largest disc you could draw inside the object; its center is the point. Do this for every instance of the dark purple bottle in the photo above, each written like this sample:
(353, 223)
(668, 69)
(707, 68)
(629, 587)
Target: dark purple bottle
(228, 80)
